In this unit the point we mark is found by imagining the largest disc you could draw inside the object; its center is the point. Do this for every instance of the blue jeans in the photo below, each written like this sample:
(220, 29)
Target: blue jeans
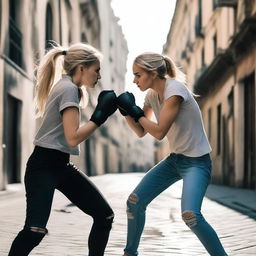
(196, 173)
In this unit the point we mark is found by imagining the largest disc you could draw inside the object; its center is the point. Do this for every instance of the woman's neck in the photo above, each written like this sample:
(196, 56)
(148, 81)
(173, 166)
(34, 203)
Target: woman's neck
(158, 87)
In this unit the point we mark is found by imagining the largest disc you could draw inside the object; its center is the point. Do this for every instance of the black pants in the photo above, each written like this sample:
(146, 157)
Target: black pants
(47, 170)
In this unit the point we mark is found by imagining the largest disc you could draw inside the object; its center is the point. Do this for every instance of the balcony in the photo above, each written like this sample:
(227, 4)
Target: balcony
(245, 38)
(208, 77)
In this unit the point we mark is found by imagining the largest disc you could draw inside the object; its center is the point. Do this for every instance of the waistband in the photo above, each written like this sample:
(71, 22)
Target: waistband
(50, 154)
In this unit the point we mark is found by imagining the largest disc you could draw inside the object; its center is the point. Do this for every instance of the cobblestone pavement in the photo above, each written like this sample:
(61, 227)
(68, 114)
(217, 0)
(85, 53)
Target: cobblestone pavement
(165, 233)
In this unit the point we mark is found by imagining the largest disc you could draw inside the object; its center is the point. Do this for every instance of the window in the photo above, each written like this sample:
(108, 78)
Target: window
(219, 129)
(215, 44)
(209, 123)
(15, 35)
(202, 57)
(48, 26)
(111, 43)
(84, 38)
(198, 21)
(231, 104)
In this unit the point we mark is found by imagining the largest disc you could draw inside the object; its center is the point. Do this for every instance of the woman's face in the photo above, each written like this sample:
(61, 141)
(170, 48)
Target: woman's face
(90, 75)
(143, 79)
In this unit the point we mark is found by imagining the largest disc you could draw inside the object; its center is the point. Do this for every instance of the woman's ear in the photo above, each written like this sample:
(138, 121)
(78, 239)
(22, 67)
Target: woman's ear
(154, 75)
(81, 68)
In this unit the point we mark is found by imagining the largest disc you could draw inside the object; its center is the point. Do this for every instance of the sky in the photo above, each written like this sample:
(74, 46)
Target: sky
(145, 24)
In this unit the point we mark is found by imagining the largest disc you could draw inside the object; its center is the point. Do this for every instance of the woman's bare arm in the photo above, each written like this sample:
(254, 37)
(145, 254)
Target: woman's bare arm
(74, 133)
(167, 116)
(136, 126)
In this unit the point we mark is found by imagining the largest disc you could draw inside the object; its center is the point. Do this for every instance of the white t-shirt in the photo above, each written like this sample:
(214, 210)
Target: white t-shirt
(51, 132)
(186, 135)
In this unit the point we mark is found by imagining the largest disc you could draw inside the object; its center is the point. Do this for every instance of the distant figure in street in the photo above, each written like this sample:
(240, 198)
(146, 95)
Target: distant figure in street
(179, 119)
(59, 136)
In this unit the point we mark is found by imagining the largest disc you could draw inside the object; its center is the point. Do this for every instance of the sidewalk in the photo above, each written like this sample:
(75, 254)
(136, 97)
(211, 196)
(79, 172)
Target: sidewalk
(241, 200)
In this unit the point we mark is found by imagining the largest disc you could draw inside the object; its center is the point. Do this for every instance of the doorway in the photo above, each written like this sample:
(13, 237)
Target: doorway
(249, 133)
(13, 140)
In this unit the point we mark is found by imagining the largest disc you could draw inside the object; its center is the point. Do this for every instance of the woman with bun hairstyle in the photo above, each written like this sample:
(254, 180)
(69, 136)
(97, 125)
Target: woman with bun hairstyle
(58, 137)
(178, 117)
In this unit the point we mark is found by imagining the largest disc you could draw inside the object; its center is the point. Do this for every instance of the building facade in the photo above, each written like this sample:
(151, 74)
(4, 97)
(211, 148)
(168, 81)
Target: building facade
(215, 44)
(26, 28)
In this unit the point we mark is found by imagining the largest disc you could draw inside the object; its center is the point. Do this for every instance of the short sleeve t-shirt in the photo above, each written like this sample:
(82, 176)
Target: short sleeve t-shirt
(51, 132)
(187, 135)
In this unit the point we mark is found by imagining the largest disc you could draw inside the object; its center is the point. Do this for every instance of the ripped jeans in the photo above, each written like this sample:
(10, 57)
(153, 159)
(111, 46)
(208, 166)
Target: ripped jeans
(195, 172)
(47, 170)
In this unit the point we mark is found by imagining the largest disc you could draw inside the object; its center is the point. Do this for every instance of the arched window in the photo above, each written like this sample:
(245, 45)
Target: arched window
(48, 26)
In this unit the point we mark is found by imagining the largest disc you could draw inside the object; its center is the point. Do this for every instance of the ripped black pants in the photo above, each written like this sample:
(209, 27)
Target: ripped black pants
(47, 170)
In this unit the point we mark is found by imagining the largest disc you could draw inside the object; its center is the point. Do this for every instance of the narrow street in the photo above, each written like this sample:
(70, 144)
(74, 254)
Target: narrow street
(165, 233)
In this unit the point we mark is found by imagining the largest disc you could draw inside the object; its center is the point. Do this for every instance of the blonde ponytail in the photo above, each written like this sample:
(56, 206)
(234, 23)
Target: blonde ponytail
(173, 71)
(46, 73)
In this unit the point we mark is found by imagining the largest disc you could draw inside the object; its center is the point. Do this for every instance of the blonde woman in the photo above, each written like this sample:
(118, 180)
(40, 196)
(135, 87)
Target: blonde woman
(58, 137)
(179, 119)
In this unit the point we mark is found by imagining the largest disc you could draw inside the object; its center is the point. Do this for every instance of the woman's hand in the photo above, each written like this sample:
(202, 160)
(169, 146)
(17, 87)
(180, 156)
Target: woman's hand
(106, 106)
(127, 106)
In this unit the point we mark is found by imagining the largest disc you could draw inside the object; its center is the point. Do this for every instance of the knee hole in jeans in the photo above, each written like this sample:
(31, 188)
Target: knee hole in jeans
(131, 202)
(133, 198)
(189, 218)
(111, 217)
(38, 230)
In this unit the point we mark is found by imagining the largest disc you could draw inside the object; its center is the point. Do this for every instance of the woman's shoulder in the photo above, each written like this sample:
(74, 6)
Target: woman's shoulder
(65, 84)
(66, 81)
(176, 87)
(171, 82)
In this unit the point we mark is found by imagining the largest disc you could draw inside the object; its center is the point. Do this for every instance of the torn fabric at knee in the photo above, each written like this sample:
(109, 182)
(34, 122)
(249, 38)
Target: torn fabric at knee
(111, 217)
(39, 230)
(129, 214)
(132, 200)
(189, 218)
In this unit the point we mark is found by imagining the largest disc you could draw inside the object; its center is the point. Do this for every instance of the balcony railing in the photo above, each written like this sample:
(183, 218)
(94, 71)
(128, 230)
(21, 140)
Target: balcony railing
(15, 43)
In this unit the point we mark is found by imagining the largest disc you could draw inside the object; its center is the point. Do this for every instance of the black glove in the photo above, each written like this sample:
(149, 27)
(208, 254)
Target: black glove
(126, 104)
(106, 107)
(123, 112)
